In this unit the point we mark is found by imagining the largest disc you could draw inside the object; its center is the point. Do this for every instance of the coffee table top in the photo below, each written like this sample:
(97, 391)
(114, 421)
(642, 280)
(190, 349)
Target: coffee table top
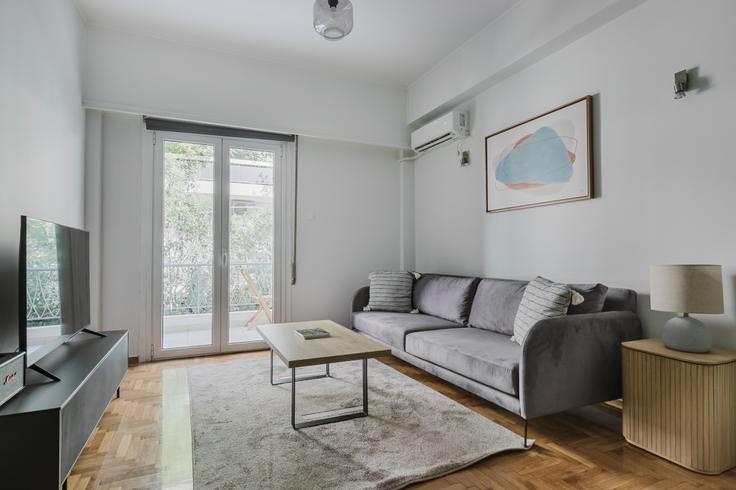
(342, 345)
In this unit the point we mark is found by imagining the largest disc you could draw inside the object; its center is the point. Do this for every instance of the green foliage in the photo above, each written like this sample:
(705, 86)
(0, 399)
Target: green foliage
(43, 304)
(43, 237)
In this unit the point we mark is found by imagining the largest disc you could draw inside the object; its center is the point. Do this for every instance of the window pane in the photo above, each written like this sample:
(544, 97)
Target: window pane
(188, 241)
(251, 242)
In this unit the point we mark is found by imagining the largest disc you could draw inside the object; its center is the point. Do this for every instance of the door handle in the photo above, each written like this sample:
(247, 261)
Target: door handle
(224, 259)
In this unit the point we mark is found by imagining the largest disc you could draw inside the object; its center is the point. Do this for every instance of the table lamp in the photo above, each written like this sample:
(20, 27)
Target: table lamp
(686, 289)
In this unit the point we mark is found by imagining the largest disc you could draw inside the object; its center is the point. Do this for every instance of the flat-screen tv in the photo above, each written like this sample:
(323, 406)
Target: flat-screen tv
(54, 285)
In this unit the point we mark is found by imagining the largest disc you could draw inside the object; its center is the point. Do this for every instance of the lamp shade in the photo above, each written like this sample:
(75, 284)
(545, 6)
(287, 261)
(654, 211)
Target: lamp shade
(333, 19)
(686, 288)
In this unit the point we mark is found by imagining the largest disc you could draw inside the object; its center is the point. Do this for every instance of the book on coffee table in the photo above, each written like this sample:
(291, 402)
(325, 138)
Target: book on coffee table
(312, 333)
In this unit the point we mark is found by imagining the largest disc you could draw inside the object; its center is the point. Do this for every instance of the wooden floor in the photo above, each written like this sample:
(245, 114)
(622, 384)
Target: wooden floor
(143, 441)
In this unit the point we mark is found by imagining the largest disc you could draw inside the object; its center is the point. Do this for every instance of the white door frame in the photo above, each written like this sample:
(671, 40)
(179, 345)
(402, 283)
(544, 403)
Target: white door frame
(283, 183)
(158, 352)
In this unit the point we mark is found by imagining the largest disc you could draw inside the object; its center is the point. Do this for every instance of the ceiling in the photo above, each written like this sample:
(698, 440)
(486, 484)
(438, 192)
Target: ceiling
(393, 41)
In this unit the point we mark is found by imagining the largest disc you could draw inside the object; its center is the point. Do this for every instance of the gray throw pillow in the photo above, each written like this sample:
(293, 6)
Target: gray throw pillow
(595, 298)
(542, 299)
(390, 291)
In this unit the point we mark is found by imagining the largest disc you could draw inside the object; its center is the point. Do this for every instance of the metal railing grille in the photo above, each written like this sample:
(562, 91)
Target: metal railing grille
(42, 297)
(187, 290)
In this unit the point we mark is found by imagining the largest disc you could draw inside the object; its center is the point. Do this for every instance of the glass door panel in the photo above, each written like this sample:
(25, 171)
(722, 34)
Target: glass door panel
(250, 240)
(188, 241)
(215, 233)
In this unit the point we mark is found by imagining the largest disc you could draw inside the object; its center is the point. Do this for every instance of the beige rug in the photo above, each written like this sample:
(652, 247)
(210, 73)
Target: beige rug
(242, 436)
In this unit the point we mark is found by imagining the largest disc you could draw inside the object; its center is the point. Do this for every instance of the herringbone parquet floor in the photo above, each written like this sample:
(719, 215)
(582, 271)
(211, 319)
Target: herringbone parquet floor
(143, 441)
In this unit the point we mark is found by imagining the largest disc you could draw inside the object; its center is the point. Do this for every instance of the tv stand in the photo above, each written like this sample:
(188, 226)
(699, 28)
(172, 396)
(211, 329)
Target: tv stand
(51, 376)
(45, 427)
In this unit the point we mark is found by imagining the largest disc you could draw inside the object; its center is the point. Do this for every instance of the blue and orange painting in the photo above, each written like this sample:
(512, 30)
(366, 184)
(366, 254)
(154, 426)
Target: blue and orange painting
(537, 160)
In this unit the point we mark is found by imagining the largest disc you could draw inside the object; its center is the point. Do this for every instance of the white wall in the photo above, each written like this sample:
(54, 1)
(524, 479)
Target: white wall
(143, 75)
(348, 224)
(665, 168)
(93, 208)
(447, 213)
(121, 297)
(406, 215)
(41, 127)
(523, 35)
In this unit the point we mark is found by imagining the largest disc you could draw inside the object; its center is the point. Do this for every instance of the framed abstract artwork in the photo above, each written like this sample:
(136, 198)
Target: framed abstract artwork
(544, 160)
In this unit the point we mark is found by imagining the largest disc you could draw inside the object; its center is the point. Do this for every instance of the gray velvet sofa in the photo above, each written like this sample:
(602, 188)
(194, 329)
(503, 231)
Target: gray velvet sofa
(463, 335)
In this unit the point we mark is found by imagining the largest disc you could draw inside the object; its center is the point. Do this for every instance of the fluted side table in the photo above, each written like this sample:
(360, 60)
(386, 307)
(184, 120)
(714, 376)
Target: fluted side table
(681, 406)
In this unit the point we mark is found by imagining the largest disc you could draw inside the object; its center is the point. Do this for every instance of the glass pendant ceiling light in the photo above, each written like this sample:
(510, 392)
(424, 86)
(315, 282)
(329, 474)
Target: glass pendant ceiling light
(333, 19)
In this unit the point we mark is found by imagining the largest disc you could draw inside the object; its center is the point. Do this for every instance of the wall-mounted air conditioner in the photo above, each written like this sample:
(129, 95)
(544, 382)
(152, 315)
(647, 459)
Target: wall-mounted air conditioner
(452, 125)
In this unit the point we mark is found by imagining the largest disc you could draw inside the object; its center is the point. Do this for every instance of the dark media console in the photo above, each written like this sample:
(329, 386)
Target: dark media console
(45, 427)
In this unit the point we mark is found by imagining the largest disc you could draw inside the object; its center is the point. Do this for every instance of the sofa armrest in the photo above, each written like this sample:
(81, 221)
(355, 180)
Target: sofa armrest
(574, 360)
(360, 300)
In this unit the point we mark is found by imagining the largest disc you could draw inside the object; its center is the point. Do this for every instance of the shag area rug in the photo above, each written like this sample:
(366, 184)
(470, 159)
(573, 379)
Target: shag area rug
(242, 436)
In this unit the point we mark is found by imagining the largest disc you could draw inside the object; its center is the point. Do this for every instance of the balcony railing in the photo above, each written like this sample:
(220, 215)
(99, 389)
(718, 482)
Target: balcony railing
(43, 302)
(187, 290)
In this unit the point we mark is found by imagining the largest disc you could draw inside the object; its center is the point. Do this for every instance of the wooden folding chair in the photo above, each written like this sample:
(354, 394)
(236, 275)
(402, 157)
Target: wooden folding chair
(265, 302)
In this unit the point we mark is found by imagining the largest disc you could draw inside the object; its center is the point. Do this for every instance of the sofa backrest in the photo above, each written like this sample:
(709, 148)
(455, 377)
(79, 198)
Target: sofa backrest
(619, 299)
(489, 303)
(448, 297)
(495, 304)
(497, 300)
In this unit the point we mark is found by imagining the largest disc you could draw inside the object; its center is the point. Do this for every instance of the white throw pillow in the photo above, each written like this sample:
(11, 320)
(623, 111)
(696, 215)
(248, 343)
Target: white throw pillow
(542, 299)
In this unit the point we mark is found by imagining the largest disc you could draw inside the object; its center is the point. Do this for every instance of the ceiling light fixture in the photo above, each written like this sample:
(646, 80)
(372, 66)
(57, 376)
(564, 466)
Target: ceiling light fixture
(333, 19)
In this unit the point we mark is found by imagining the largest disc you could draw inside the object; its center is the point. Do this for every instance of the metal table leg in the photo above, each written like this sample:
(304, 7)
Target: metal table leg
(286, 379)
(333, 419)
(365, 386)
(293, 398)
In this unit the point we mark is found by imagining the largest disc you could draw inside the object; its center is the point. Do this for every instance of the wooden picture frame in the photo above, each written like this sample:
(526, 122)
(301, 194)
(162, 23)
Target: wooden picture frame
(545, 160)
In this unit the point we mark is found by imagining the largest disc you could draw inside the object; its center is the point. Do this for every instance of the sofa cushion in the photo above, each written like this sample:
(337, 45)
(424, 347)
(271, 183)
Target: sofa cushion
(392, 328)
(486, 357)
(448, 297)
(495, 304)
(595, 298)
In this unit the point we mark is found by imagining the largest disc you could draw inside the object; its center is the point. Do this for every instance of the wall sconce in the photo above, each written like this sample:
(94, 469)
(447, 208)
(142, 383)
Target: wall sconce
(681, 84)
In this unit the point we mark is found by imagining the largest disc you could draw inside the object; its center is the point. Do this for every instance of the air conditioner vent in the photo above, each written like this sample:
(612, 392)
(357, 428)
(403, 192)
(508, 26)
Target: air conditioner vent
(452, 125)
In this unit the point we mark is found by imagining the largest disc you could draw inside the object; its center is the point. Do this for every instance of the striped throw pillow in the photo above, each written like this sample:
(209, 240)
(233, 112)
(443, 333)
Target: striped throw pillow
(390, 291)
(542, 299)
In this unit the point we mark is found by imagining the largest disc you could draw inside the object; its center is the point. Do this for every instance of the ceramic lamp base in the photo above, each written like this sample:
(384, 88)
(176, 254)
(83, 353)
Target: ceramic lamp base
(687, 334)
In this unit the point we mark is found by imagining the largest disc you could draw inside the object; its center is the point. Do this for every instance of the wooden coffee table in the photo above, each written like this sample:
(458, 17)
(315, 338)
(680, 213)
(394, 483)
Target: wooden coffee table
(342, 345)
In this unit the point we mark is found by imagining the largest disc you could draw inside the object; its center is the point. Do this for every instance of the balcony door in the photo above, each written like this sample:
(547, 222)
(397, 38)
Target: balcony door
(216, 211)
